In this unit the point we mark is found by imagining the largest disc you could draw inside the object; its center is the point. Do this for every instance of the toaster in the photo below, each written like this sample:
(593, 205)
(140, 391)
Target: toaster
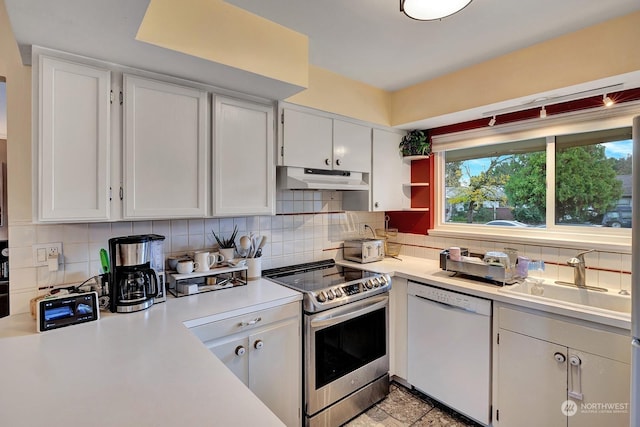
(364, 250)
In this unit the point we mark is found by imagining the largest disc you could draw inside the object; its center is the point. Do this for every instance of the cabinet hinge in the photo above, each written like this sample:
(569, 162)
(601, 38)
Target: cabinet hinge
(282, 151)
(121, 193)
(498, 339)
(111, 97)
(282, 117)
(497, 414)
(110, 194)
(121, 98)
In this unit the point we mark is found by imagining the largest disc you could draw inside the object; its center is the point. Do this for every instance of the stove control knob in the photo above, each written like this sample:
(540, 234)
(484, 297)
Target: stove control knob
(338, 292)
(383, 280)
(376, 282)
(369, 284)
(240, 350)
(330, 294)
(322, 296)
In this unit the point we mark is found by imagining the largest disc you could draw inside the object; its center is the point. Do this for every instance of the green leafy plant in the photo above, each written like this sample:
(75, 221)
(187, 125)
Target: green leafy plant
(415, 143)
(225, 243)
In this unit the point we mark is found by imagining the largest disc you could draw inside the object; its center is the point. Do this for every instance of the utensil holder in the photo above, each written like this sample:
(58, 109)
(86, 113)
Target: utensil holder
(254, 268)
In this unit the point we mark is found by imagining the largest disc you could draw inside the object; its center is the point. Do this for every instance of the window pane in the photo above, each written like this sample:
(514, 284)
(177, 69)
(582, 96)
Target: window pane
(593, 178)
(501, 185)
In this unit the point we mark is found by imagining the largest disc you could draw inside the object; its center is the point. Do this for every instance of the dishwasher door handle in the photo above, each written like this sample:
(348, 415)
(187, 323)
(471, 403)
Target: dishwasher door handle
(443, 304)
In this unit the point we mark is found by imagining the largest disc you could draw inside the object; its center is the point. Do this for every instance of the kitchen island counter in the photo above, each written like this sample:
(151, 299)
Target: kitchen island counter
(143, 368)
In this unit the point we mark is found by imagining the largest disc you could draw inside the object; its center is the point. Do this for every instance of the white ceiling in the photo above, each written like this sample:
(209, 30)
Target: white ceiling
(373, 42)
(366, 40)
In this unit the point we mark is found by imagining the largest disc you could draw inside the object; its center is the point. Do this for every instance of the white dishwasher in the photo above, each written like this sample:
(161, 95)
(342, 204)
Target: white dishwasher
(449, 349)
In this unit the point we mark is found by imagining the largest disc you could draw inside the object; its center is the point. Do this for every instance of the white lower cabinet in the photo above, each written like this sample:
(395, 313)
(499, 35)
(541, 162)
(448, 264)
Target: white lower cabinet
(551, 372)
(398, 327)
(263, 349)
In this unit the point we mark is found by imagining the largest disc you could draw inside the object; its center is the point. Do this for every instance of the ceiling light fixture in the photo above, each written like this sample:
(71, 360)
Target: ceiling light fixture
(608, 102)
(492, 121)
(431, 10)
(543, 112)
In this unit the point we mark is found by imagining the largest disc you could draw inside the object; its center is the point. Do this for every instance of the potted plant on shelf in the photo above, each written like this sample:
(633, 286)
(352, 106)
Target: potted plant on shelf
(227, 245)
(415, 143)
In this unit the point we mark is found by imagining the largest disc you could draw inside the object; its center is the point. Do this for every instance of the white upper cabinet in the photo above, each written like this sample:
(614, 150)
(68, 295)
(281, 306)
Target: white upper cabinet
(73, 174)
(164, 150)
(351, 146)
(322, 142)
(243, 158)
(389, 172)
(308, 140)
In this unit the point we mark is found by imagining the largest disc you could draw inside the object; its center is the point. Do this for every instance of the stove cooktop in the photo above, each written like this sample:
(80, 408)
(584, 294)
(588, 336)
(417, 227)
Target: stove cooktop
(326, 285)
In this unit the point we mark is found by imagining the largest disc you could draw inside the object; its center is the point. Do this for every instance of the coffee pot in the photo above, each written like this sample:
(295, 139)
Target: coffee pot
(134, 282)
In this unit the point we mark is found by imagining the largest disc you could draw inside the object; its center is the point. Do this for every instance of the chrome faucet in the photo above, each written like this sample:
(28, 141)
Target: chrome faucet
(578, 265)
(372, 232)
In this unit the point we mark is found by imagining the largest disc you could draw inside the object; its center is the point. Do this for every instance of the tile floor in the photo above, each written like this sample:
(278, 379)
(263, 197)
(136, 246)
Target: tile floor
(404, 408)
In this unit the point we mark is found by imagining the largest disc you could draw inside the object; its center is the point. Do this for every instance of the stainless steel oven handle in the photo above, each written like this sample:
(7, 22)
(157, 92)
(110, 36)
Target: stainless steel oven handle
(377, 303)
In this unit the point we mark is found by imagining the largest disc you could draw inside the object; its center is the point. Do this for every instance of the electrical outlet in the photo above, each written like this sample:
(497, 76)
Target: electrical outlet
(42, 252)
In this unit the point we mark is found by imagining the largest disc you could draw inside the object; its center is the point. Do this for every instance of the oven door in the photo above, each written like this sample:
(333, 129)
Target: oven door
(346, 348)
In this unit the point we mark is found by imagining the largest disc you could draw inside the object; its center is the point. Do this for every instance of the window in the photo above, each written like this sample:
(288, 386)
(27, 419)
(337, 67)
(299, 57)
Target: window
(497, 185)
(593, 178)
(505, 184)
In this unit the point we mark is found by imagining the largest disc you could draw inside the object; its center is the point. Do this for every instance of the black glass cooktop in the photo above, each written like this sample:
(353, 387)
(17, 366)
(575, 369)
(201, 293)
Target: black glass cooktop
(315, 276)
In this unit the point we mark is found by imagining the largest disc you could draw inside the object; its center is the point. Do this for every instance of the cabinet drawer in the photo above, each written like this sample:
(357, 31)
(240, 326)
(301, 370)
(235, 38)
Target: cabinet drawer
(246, 322)
(586, 336)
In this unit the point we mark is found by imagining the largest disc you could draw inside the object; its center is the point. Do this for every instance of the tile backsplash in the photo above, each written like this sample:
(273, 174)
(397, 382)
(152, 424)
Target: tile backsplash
(309, 226)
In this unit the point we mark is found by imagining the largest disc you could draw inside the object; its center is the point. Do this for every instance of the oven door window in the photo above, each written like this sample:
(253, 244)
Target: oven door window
(349, 345)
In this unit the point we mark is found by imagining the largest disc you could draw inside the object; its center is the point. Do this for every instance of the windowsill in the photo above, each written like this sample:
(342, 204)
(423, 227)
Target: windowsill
(574, 239)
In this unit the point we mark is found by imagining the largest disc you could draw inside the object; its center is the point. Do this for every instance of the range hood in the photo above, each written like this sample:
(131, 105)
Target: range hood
(293, 178)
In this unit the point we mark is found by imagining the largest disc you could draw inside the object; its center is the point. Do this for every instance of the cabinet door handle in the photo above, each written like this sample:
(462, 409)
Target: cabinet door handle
(560, 358)
(338, 162)
(240, 350)
(327, 162)
(376, 205)
(575, 377)
(250, 322)
(258, 344)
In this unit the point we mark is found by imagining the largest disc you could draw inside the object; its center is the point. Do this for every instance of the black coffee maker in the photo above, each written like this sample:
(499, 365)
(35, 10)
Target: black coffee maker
(133, 283)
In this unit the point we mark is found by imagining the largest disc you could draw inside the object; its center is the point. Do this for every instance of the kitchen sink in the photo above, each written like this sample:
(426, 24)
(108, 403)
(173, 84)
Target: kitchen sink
(573, 296)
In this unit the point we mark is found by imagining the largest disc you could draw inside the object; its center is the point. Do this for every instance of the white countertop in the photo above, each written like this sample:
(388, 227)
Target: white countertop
(146, 368)
(428, 271)
(143, 369)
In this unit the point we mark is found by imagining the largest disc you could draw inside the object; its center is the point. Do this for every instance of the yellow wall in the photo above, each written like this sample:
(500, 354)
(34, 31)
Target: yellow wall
(332, 92)
(223, 33)
(18, 123)
(604, 50)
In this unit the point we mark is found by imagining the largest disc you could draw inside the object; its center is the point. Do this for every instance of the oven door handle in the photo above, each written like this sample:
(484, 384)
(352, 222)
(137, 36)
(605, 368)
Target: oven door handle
(369, 306)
